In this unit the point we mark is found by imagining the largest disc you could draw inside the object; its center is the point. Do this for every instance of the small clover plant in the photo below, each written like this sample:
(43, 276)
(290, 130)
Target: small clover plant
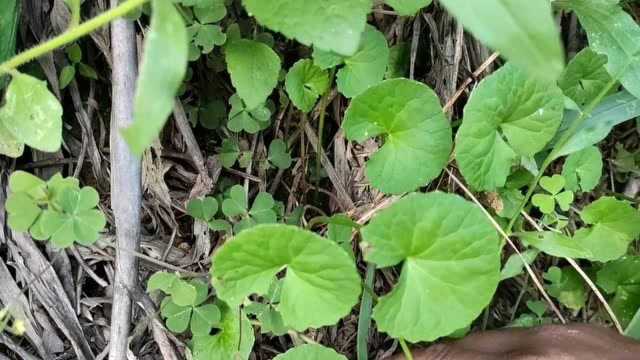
(554, 196)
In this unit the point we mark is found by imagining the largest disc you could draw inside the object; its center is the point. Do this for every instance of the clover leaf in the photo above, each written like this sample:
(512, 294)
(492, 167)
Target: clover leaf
(31, 115)
(366, 67)
(182, 292)
(229, 152)
(254, 80)
(205, 37)
(234, 340)
(567, 286)
(237, 206)
(305, 83)
(203, 209)
(278, 154)
(439, 250)
(508, 115)
(250, 120)
(583, 169)
(417, 135)
(23, 211)
(332, 25)
(201, 317)
(319, 274)
(310, 352)
(547, 202)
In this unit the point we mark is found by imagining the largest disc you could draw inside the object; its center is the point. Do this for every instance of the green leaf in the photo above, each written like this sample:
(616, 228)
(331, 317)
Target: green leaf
(183, 293)
(366, 67)
(22, 210)
(524, 32)
(546, 203)
(326, 59)
(564, 200)
(21, 181)
(612, 111)
(9, 21)
(67, 74)
(210, 11)
(514, 265)
(278, 154)
(212, 115)
(622, 278)
(566, 286)
(162, 280)
(237, 202)
(262, 209)
(555, 244)
(399, 61)
(254, 80)
(177, 317)
(508, 115)
(319, 274)
(451, 264)
(408, 7)
(229, 153)
(310, 352)
(87, 71)
(583, 169)
(208, 36)
(234, 341)
(331, 25)
(251, 121)
(417, 135)
(305, 83)
(552, 184)
(9, 145)
(584, 77)
(204, 318)
(32, 114)
(163, 68)
(614, 33)
(74, 53)
(615, 224)
(203, 209)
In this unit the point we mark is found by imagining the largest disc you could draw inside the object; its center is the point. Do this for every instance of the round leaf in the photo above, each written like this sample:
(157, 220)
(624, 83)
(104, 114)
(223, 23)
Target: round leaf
(508, 114)
(204, 318)
(23, 211)
(319, 274)
(417, 135)
(310, 352)
(451, 264)
(234, 341)
(584, 77)
(177, 317)
(161, 280)
(305, 83)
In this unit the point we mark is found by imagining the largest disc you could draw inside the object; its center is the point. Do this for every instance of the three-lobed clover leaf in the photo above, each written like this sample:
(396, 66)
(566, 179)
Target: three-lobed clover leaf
(319, 274)
(278, 154)
(182, 292)
(234, 340)
(417, 135)
(366, 67)
(547, 202)
(237, 205)
(163, 68)
(584, 77)
(181, 313)
(310, 352)
(583, 169)
(254, 69)
(229, 152)
(31, 115)
(305, 83)
(509, 115)
(331, 25)
(567, 286)
(450, 257)
(241, 118)
(203, 209)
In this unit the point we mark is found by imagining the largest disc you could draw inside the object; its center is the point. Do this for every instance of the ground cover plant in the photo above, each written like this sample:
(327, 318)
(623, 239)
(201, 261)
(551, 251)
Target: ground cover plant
(318, 180)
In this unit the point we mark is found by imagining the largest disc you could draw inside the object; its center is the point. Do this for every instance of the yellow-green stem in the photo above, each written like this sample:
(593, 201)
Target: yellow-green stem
(70, 35)
(405, 349)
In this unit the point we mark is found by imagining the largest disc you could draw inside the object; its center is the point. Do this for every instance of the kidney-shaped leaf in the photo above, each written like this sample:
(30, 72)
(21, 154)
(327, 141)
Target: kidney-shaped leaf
(615, 224)
(417, 135)
(163, 68)
(451, 264)
(32, 114)
(305, 83)
(321, 283)
(524, 31)
(508, 114)
(584, 77)
(254, 68)
(333, 25)
(408, 7)
(310, 352)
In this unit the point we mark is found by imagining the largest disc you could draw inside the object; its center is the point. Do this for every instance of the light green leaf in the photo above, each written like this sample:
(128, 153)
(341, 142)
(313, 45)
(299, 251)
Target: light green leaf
(514, 265)
(9, 145)
(234, 341)
(278, 154)
(555, 244)
(210, 11)
(524, 32)
(22, 181)
(583, 169)
(566, 286)
(163, 68)
(254, 80)
(204, 318)
(262, 209)
(332, 25)
(203, 209)
(32, 114)
(553, 184)
(305, 83)
(615, 224)
(310, 352)
(564, 200)
(162, 280)
(418, 137)
(613, 110)
(67, 74)
(584, 77)
(251, 121)
(546, 203)
(319, 274)
(366, 67)
(177, 317)
(408, 7)
(183, 293)
(612, 32)
(451, 264)
(237, 202)
(22, 210)
(508, 115)
(326, 59)
(206, 37)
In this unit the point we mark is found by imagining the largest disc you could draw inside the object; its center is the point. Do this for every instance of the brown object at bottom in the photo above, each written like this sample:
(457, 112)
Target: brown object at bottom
(553, 342)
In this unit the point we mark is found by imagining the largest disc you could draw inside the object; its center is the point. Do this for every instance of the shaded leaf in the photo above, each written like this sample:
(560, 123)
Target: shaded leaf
(278, 154)
(584, 77)
(310, 352)
(583, 169)
(305, 83)
(234, 341)
(203, 209)
(566, 286)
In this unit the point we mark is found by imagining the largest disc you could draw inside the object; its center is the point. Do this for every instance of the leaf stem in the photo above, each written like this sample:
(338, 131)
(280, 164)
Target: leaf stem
(71, 35)
(405, 349)
(364, 317)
